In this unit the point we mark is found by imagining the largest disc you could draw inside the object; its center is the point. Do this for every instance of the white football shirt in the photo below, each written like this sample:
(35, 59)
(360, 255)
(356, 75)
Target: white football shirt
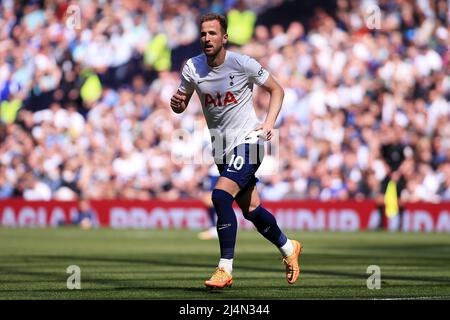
(225, 93)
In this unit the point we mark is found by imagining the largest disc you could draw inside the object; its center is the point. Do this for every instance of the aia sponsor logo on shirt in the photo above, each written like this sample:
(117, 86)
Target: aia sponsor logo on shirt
(220, 99)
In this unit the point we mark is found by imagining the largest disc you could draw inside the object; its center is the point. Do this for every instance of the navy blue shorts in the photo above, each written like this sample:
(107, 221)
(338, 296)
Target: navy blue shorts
(242, 164)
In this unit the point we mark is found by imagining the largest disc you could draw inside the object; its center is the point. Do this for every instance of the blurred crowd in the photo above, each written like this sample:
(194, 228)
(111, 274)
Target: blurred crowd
(85, 109)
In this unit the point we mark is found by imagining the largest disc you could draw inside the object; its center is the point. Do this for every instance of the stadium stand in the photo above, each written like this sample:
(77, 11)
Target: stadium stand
(85, 110)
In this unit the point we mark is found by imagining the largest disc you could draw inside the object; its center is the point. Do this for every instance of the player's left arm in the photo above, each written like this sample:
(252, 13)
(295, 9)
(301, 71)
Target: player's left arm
(276, 92)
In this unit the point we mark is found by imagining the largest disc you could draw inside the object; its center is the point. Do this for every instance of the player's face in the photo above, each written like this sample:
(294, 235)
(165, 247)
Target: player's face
(211, 37)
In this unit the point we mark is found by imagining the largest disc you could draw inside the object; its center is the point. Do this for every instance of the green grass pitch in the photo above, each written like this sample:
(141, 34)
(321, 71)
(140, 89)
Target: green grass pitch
(173, 264)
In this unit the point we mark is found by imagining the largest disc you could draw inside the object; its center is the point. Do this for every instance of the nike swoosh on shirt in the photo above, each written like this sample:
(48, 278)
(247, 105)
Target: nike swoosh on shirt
(198, 82)
(231, 170)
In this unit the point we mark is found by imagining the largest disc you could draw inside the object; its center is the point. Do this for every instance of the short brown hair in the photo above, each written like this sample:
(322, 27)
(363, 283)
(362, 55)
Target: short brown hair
(214, 16)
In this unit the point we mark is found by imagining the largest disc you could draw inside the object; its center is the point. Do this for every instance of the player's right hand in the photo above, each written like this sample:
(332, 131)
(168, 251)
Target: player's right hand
(177, 102)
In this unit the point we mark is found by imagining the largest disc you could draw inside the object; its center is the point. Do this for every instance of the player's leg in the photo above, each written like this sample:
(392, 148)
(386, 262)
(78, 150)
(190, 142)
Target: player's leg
(263, 220)
(222, 198)
(266, 224)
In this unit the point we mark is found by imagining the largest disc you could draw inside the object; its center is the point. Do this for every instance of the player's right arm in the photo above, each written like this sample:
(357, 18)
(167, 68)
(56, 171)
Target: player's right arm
(180, 101)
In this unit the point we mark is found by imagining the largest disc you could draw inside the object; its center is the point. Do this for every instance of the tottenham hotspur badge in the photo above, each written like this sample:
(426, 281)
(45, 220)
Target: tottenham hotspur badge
(231, 79)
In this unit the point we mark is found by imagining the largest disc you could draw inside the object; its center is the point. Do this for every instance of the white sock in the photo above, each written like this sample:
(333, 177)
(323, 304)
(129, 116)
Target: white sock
(227, 264)
(287, 249)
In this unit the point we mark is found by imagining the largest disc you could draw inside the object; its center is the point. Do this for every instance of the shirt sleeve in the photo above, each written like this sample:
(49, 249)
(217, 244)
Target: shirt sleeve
(186, 85)
(255, 72)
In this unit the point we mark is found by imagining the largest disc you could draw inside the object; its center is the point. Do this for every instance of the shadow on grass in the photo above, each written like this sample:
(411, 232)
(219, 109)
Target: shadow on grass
(251, 264)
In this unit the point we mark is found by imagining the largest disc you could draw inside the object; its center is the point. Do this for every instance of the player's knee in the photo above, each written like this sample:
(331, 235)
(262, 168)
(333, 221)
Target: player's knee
(221, 198)
(252, 212)
(250, 209)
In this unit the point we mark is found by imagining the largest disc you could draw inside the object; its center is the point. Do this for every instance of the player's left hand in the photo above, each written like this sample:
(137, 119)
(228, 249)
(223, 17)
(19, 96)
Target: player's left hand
(265, 131)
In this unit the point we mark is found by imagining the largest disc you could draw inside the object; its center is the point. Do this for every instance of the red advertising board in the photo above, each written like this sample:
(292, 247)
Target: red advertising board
(422, 217)
(191, 214)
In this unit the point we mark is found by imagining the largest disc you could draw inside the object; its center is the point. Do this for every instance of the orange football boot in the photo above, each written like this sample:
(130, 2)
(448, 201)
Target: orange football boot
(220, 279)
(291, 263)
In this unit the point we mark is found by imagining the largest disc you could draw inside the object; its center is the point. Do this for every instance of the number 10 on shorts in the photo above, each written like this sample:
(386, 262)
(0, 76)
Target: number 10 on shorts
(237, 162)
